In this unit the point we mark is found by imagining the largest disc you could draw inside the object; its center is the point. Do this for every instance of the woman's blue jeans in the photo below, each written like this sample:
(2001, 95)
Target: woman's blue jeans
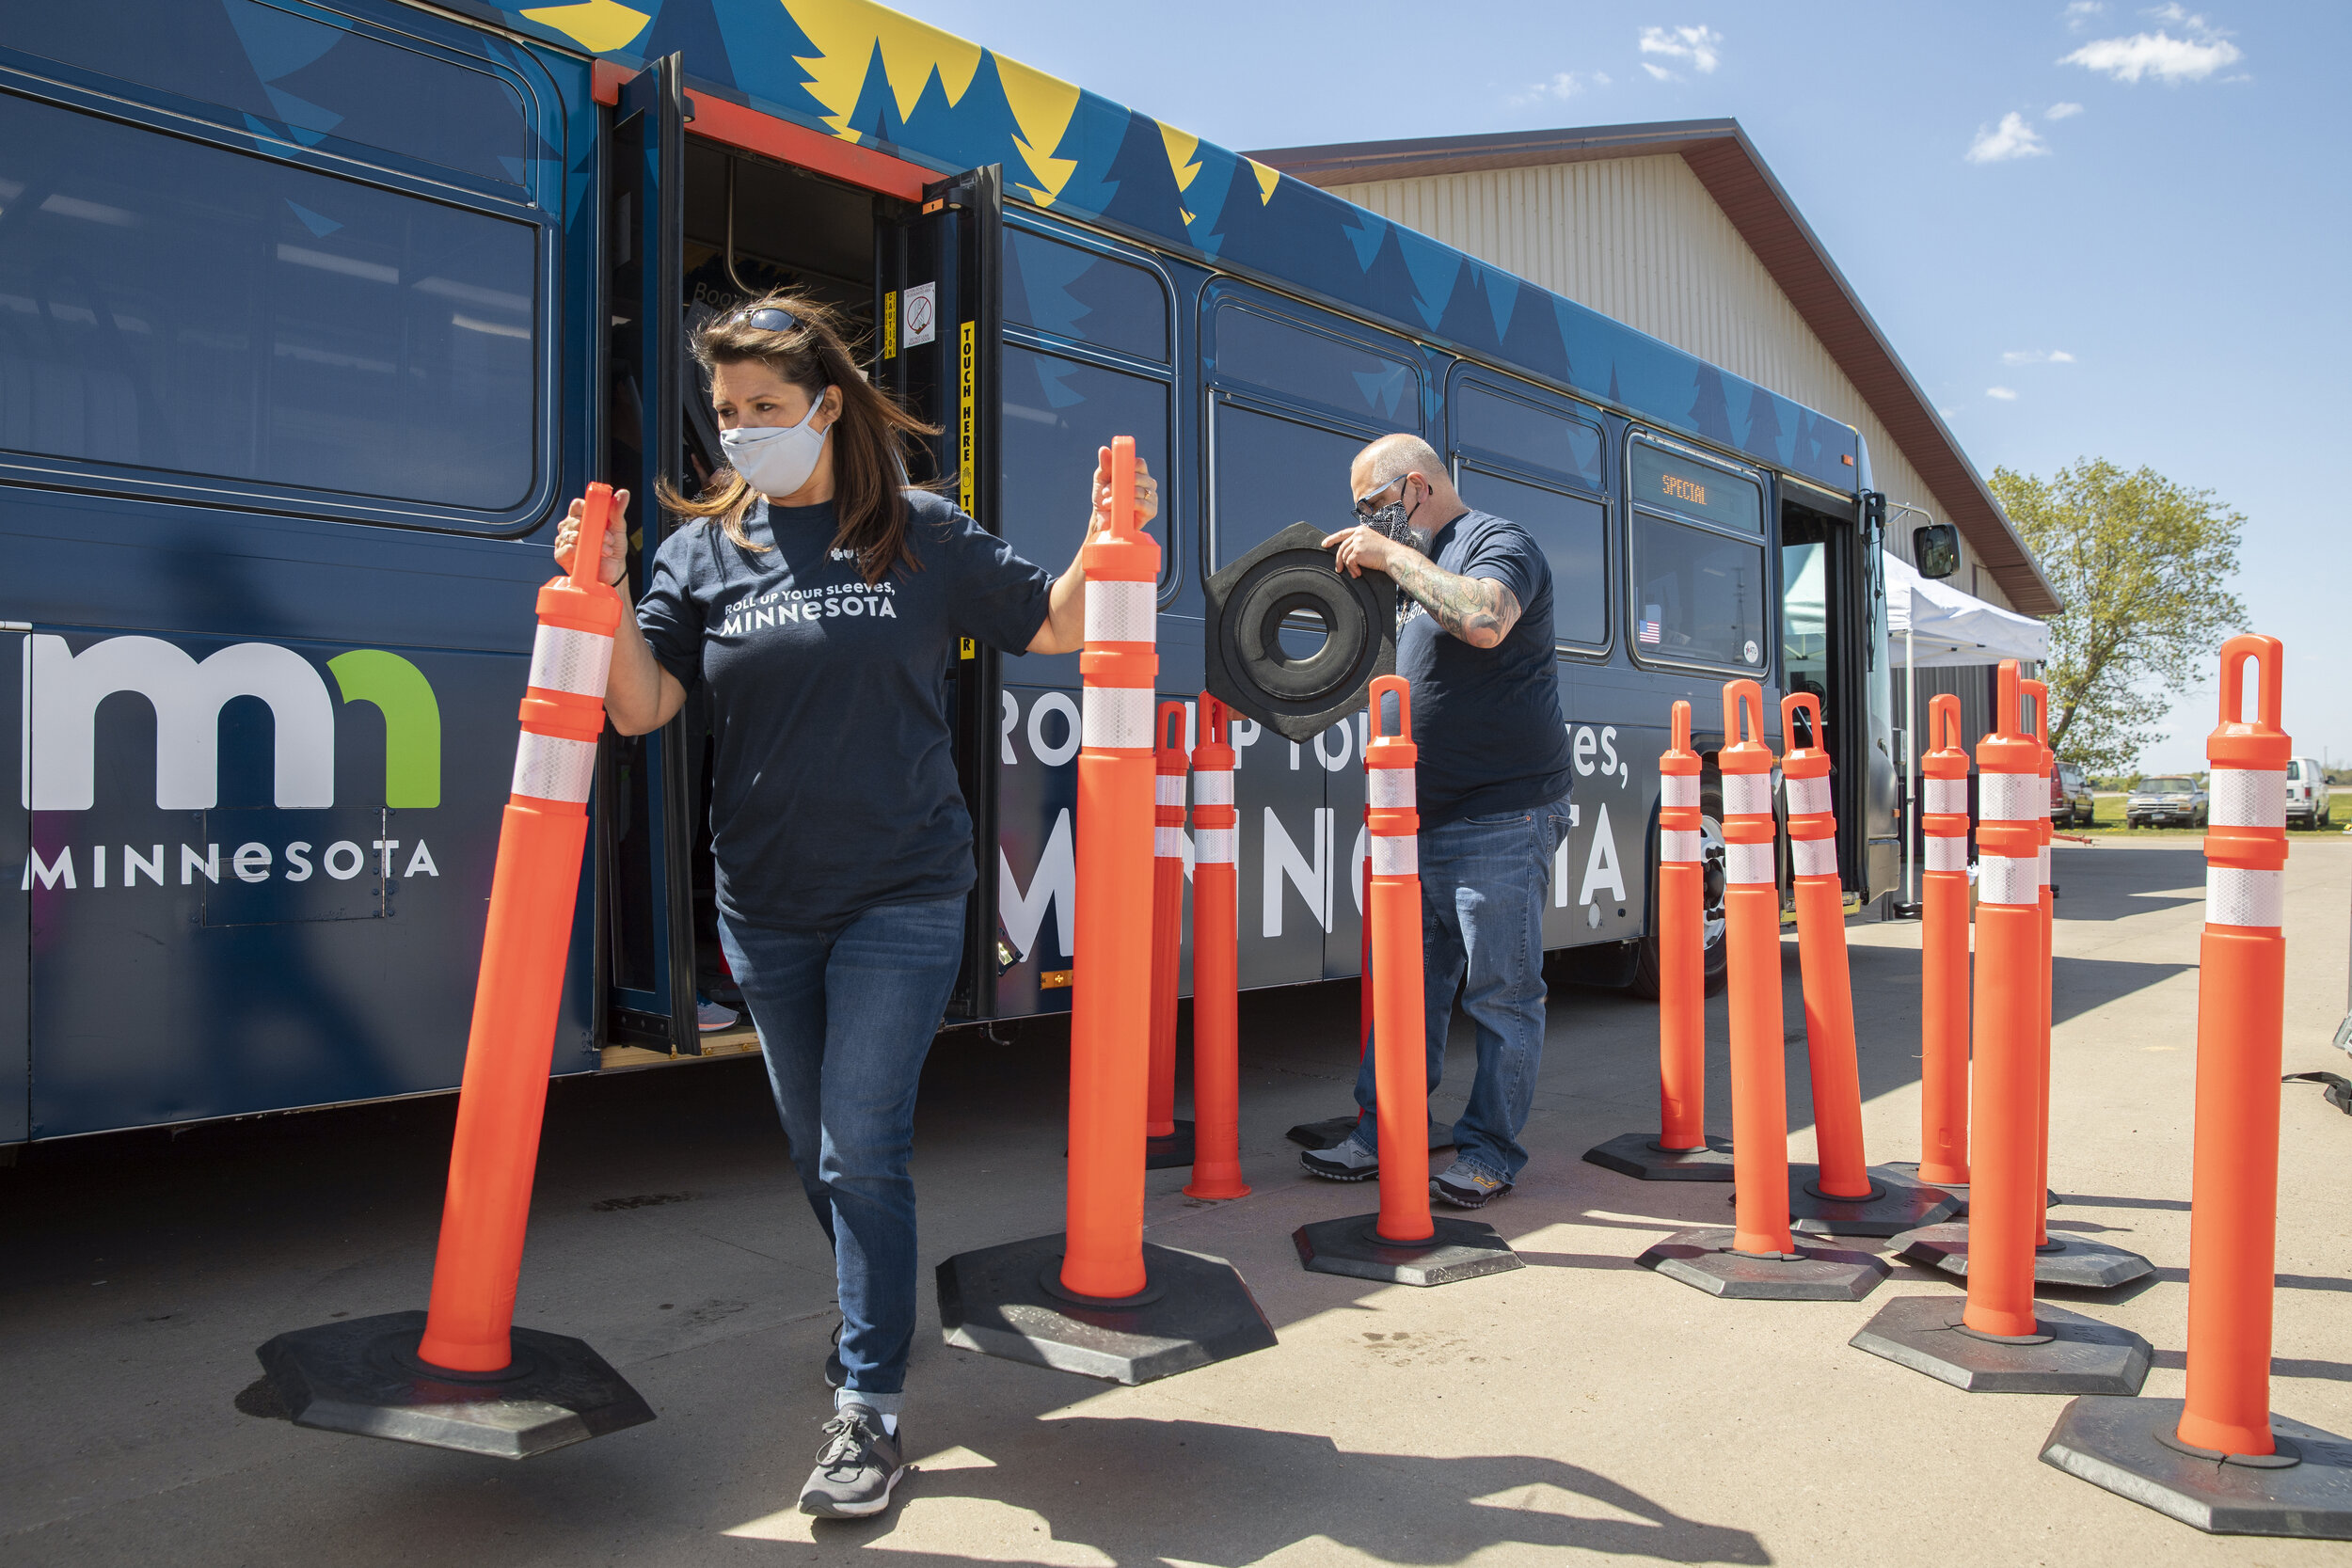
(845, 1019)
(1483, 884)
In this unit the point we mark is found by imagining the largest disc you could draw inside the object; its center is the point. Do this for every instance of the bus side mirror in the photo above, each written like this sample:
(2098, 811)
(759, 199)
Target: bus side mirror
(1936, 548)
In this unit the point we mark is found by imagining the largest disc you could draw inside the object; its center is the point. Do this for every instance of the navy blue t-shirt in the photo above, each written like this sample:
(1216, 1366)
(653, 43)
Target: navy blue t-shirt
(1487, 721)
(833, 781)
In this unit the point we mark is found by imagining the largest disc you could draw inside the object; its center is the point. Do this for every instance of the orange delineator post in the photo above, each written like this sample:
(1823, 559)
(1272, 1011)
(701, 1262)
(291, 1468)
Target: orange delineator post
(1399, 1040)
(1944, 953)
(1110, 1025)
(1363, 970)
(1821, 954)
(2003, 1197)
(1682, 947)
(1168, 911)
(520, 993)
(2037, 695)
(1760, 1085)
(1216, 962)
(2233, 1194)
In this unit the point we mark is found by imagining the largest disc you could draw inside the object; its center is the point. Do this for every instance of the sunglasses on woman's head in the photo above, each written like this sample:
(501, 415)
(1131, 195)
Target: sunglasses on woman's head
(769, 318)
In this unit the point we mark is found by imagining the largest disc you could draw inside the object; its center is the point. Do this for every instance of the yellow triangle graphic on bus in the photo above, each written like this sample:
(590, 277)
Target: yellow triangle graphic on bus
(598, 26)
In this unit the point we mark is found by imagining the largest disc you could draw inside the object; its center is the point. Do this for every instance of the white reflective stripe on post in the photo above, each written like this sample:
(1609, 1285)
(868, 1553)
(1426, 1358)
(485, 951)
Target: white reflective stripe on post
(1749, 865)
(2007, 880)
(1214, 788)
(1168, 844)
(1121, 612)
(1948, 797)
(1115, 717)
(2012, 796)
(1678, 847)
(2248, 797)
(1946, 853)
(1212, 845)
(1388, 787)
(2041, 865)
(1748, 794)
(1678, 791)
(1807, 797)
(563, 659)
(1812, 857)
(2237, 897)
(1168, 789)
(1399, 856)
(549, 767)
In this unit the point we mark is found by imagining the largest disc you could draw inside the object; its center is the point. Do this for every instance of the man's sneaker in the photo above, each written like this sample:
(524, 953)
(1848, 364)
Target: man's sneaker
(711, 1016)
(1467, 1187)
(837, 1375)
(1346, 1161)
(855, 1469)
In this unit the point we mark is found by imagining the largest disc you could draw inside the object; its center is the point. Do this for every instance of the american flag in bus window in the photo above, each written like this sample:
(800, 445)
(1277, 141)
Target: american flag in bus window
(1652, 616)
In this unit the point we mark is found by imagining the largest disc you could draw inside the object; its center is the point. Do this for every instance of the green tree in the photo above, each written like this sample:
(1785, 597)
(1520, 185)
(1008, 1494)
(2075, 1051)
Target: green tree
(2143, 566)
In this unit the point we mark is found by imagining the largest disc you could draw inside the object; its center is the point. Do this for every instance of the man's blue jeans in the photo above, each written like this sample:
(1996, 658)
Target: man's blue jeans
(845, 1019)
(1483, 880)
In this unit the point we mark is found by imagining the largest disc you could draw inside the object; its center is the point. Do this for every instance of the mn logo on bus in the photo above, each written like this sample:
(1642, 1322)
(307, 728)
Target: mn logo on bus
(65, 689)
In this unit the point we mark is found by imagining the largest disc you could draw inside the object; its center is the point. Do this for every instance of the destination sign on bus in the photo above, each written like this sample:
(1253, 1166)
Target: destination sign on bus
(1671, 483)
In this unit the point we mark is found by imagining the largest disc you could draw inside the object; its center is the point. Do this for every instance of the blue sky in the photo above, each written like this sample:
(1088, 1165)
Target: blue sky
(2112, 229)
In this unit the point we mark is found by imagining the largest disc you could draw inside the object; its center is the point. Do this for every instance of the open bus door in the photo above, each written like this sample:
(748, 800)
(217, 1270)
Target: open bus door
(937, 314)
(1881, 854)
(1834, 644)
(643, 813)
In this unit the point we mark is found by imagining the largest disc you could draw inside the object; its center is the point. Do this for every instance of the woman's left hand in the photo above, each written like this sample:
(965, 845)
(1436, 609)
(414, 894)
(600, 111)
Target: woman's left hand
(1147, 493)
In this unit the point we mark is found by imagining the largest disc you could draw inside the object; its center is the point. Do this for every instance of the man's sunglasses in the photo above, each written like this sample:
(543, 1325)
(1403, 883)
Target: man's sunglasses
(1363, 503)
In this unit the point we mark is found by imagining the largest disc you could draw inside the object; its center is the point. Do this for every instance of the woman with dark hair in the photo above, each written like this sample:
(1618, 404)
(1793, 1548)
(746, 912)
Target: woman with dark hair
(823, 600)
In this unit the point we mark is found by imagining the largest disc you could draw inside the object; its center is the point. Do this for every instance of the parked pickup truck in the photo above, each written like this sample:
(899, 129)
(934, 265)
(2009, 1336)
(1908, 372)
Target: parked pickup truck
(2307, 793)
(2070, 800)
(2170, 801)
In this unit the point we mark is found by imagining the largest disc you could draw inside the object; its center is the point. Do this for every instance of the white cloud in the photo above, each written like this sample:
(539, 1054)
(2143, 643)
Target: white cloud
(2001, 393)
(2079, 13)
(2062, 111)
(1563, 86)
(1698, 47)
(2012, 139)
(2037, 357)
(2203, 49)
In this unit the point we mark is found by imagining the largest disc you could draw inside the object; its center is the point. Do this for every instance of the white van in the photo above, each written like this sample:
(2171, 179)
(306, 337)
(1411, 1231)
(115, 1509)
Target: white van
(2307, 793)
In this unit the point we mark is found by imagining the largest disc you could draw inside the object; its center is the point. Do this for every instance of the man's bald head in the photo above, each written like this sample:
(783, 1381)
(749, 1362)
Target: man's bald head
(1391, 458)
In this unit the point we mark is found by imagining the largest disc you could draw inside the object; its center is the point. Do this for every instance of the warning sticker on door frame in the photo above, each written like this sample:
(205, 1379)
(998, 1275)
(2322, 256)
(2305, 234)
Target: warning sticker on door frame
(920, 315)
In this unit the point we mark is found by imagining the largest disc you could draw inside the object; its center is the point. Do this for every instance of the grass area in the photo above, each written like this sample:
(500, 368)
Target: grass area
(2108, 819)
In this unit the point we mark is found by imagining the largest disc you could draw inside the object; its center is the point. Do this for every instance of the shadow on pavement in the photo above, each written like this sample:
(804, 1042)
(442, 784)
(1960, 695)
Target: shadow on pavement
(2112, 882)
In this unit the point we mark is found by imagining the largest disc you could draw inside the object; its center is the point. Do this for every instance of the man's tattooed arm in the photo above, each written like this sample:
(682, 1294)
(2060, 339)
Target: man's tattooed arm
(1479, 610)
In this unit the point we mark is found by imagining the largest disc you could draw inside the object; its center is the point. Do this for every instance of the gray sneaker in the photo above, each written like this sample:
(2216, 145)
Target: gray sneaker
(856, 1468)
(1346, 1161)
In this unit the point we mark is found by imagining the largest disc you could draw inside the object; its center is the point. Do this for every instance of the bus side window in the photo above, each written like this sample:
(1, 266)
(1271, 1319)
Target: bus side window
(319, 81)
(1085, 358)
(1291, 408)
(1698, 556)
(1528, 463)
(171, 304)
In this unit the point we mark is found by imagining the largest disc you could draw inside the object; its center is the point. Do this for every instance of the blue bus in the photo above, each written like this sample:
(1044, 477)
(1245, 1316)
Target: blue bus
(312, 317)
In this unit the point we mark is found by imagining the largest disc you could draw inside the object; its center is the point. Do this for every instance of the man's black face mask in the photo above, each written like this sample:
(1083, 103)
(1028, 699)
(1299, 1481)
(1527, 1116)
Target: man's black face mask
(1390, 522)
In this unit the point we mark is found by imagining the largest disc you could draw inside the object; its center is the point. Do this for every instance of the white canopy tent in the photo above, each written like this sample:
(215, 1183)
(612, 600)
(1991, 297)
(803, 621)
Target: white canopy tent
(1933, 626)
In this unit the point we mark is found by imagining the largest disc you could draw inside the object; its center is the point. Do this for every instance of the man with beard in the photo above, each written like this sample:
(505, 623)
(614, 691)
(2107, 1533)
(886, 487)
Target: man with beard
(1474, 640)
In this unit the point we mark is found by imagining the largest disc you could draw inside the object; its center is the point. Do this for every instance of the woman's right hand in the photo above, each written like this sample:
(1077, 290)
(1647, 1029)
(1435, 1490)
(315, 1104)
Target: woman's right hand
(615, 563)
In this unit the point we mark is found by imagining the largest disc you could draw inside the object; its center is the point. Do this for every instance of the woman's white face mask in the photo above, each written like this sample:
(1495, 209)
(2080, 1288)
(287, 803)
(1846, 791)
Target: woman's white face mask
(776, 460)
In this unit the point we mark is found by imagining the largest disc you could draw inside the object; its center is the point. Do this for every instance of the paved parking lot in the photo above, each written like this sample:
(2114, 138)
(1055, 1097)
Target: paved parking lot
(1579, 1408)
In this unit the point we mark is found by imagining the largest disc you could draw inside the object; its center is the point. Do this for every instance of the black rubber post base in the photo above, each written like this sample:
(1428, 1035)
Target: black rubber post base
(1637, 1155)
(2071, 1260)
(1701, 1260)
(362, 1376)
(2119, 1444)
(1897, 1203)
(1170, 1152)
(1909, 1169)
(1329, 1134)
(1008, 1301)
(1460, 1249)
(2069, 1354)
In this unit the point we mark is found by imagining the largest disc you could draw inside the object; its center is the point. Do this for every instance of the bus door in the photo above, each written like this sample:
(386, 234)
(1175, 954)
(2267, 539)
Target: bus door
(937, 321)
(1833, 633)
(644, 813)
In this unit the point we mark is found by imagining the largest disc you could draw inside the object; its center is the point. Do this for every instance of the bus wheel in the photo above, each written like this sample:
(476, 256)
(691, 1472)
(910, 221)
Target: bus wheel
(1645, 981)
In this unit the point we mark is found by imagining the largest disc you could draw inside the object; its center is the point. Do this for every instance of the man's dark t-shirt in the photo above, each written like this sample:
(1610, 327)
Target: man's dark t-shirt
(834, 784)
(1487, 721)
